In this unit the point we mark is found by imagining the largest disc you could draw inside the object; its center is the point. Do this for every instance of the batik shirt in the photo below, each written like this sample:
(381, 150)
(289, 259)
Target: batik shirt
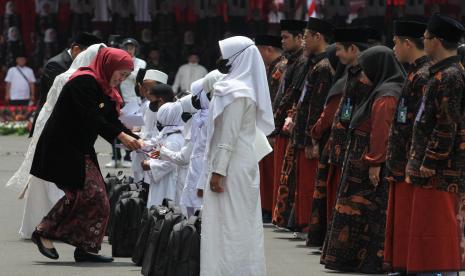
(288, 93)
(274, 73)
(438, 141)
(318, 81)
(354, 91)
(401, 131)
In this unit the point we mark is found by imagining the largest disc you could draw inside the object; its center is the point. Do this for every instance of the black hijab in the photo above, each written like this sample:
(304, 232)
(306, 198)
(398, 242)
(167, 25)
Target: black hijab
(387, 75)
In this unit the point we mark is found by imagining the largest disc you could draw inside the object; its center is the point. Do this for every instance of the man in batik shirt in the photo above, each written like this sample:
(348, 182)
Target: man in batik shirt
(436, 166)
(288, 93)
(271, 52)
(408, 50)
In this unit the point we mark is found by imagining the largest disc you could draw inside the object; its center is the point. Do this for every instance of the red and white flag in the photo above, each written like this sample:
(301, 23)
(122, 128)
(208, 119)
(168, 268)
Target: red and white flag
(311, 8)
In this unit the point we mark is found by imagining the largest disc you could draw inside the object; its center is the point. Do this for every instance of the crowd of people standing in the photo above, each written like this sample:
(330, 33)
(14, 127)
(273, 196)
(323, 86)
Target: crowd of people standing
(368, 145)
(367, 160)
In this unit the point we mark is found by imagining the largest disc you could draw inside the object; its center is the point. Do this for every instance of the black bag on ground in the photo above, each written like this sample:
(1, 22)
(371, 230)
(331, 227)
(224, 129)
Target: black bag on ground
(114, 197)
(146, 224)
(157, 221)
(111, 180)
(184, 248)
(127, 218)
(161, 260)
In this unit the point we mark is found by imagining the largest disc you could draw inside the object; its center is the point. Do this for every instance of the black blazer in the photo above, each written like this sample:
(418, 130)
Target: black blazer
(54, 67)
(82, 112)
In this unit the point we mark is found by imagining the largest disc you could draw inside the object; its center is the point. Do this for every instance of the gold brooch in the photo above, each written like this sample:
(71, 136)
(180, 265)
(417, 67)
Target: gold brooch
(101, 105)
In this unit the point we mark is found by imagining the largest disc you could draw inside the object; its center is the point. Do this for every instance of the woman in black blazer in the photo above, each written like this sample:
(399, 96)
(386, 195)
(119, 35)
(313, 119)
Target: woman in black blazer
(87, 107)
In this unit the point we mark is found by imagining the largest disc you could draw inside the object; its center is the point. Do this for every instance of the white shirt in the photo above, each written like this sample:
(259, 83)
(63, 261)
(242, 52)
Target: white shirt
(186, 75)
(128, 85)
(163, 175)
(20, 89)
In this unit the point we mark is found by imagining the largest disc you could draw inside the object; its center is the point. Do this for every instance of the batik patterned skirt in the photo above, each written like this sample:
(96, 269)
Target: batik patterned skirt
(80, 217)
(355, 241)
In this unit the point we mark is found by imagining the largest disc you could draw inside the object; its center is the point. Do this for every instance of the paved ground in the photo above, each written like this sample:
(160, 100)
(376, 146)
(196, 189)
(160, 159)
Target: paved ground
(17, 257)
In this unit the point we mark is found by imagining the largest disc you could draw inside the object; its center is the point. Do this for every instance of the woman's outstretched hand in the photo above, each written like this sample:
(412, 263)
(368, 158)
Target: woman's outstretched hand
(130, 142)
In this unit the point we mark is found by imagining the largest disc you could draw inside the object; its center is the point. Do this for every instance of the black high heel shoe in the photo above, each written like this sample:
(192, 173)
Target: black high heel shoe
(47, 252)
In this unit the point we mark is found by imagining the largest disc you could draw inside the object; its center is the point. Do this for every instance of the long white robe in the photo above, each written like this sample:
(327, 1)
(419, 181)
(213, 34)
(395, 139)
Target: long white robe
(163, 174)
(232, 232)
(194, 180)
(147, 131)
(180, 158)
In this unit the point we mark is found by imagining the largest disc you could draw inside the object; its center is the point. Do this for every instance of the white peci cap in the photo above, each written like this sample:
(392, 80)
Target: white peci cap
(156, 75)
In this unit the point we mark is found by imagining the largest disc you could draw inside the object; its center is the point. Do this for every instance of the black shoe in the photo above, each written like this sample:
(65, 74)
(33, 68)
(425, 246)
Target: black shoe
(47, 252)
(81, 255)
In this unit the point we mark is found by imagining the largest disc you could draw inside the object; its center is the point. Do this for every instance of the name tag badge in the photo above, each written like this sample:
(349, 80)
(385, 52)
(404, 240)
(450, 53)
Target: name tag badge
(101, 105)
(402, 112)
(346, 113)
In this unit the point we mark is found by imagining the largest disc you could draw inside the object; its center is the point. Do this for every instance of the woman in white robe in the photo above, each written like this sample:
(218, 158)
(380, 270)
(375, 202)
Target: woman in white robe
(41, 195)
(164, 174)
(232, 231)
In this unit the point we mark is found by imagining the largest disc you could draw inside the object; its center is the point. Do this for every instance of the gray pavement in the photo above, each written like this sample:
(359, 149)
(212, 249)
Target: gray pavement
(17, 257)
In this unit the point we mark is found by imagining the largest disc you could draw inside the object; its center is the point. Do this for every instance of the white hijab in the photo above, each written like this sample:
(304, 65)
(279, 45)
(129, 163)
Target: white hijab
(13, 34)
(208, 85)
(9, 8)
(169, 116)
(201, 88)
(247, 78)
(22, 177)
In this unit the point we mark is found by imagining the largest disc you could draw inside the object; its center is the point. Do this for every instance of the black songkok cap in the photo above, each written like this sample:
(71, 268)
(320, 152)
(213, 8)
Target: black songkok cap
(86, 39)
(359, 35)
(373, 34)
(293, 25)
(445, 27)
(268, 40)
(320, 26)
(409, 28)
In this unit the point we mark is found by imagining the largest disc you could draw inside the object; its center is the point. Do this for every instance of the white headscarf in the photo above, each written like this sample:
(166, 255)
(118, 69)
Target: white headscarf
(200, 88)
(209, 81)
(22, 176)
(9, 7)
(247, 78)
(13, 34)
(169, 116)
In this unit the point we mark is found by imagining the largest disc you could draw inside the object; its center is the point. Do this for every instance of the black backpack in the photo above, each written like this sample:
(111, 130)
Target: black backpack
(157, 221)
(127, 218)
(155, 257)
(184, 248)
(111, 180)
(147, 222)
(161, 260)
(114, 197)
